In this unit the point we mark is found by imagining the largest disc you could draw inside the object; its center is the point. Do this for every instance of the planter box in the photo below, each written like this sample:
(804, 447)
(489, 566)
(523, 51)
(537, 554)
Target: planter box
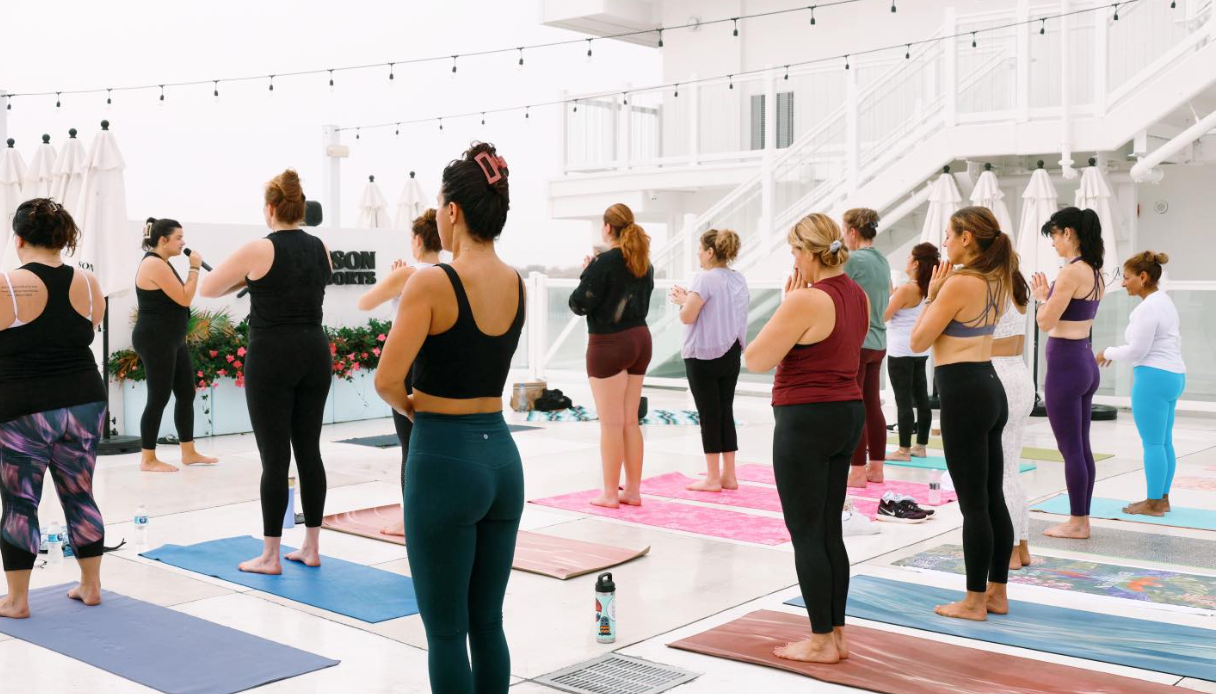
(357, 399)
(135, 398)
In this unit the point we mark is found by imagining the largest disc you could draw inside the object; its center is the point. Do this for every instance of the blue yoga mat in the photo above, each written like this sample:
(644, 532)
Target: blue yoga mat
(937, 462)
(155, 646)
(1159, 646)
(354, 590)
(1180, 517)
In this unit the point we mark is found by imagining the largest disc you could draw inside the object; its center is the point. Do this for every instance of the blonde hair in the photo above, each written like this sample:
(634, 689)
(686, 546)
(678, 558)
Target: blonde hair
(635, 243)
(864, 220)
(819, 234)
(724, 242)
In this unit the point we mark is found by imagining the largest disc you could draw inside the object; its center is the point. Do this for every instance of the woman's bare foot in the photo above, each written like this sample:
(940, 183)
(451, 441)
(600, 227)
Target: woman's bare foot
(973, 607)
(198, 459)
(996, 599)
(88, 594)
(155, 465)
(730, 482)
(1075, 528)
(1015, 560)
(606, 501)
(262, 565)
(874, 471)
(1166, 499)
(858, 477)
(1023, 551)
(919, 451)
(634, 499)
(842, 643)
(396, 529)
(1148, 507)
(308, 556)
(706, 485)
(820, 648)
(901, 454)
(13, 608)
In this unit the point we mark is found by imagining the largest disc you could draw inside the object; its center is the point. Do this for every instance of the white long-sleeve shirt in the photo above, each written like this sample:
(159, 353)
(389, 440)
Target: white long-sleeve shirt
(1152, 336)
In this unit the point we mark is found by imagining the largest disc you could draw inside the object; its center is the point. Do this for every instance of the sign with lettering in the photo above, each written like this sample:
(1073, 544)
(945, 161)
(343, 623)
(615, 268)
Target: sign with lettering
(353, 267)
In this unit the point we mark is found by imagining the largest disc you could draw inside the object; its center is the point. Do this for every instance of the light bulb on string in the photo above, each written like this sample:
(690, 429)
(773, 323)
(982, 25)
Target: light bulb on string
(109, 99)
(162, 95)
(625, 98)
(973, 39)
(483, 117)
(908, 52)
(391, 77)
(215, 90)
(454, 66)
(1116, 11)
(8, 106)
(660, 38)
(441, 124)
(588, 50)
(677, 90)
(271, 87)
(58, 102)
(892, 6)
(357, 133)
(576, 105)
(331, 81)
(1042, 27)
(398, 130)
(520, 66)
(731, 81)
(787, 73)
(812, 8)
(846, 61)
(736, 21)
(526, 114)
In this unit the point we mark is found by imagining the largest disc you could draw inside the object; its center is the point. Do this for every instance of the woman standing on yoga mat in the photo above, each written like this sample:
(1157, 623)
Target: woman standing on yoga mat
(906, 368)
(814, 339)
(54, 403)
(159, 338)
(614, 293)
(1066, 313)
(1154, 348)
(714, 311)
(425, 247)
(961, 313)
(288, 368)
(1008, 345)
(459, 325)
(871, 271)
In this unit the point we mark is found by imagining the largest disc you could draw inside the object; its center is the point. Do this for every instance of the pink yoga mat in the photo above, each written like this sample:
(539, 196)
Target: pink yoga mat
(723, 523)
(754, 472)
(1201, 484)
(673, 486)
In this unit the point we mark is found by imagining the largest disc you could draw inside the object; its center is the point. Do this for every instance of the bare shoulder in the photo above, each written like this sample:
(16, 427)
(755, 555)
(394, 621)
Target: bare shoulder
(426, 280)
(908, 293)
(810, 298)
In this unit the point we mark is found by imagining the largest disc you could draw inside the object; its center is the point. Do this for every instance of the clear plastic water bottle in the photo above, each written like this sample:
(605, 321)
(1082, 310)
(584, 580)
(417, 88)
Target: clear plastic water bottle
(521, 398)
(935, 488)
(605, 609)
(54, 545)
(141, 527)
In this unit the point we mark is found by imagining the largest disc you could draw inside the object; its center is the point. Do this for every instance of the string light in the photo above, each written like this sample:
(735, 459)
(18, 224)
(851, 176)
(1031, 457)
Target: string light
(356, 133)
(660, 38)
(846, 61)
(576, 105)
(526, 114)
(391, 76)
(677, 90)
(736, 21)
(1116, 11)
(215, 89)
(398, 130)
(731, 80)
(8, 106)
(441, 124)
(454, 64)
(331, 81)
(521, 57)
(973, 39)
(787, 73)
(892, 6)
(625, 98)
(588, 50)
(57, 101)
(108, 99)
(271, 87)
(908, 52)
(1043, 27)
(483, 117)
(812, 8)
(162, 94)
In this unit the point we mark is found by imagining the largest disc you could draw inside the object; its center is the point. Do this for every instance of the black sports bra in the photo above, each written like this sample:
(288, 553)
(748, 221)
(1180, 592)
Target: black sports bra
(462, 362)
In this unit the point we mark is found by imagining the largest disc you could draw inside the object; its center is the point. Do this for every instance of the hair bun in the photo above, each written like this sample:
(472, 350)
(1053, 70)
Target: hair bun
(1161, 258)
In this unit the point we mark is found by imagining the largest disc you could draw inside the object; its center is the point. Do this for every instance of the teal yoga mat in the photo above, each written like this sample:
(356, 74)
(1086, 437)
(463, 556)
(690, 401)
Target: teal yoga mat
(1180, 517)
(1159, 646)
(937, 462)
(358, 591)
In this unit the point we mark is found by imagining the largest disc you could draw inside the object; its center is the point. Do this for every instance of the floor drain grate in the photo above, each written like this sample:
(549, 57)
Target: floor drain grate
(617, 674)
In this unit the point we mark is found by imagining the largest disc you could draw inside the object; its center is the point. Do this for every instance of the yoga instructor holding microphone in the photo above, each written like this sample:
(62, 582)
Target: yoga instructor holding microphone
(159, 338)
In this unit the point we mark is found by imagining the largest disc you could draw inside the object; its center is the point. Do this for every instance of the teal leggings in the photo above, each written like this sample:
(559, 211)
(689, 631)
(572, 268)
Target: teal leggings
(1155, 394)
(464, 493)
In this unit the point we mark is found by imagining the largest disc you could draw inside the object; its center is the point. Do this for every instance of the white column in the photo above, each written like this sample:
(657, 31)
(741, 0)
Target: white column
(694, 121)
(950, 70)
(852, 132)
(1022, 105)
(1101, 43)
(1065, 93)
(331, 175)
(767, 193)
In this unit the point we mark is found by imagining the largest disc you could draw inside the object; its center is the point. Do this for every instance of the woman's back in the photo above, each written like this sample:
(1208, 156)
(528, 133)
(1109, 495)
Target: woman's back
(826, 371)
(292, 292)
(611, 296)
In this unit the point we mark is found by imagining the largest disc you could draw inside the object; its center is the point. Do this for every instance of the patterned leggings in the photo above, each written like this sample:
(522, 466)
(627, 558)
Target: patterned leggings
(1019, 390)
(65, 440)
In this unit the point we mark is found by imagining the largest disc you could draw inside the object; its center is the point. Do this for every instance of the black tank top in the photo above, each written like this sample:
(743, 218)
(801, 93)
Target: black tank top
(156, 304)
(462, 362)
(46, 364)
(293, 291)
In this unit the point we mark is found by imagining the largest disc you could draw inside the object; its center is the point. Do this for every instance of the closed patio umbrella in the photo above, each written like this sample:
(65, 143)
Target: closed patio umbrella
(69, 173)
(40, 174)
(944, 200)
(988, 194)
(12, 176)
(373, 210)
(412, 203)
(1094, 194)
(1039, 202)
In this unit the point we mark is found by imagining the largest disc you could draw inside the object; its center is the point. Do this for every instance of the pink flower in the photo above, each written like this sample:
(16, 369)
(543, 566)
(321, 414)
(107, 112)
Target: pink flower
(365, 355)
(355, 366)
(333, 349)
(240, 382)
(214, 354)
(240, 352)
(376, 351)
(381, 337)
(231, 358)
(200, 374)
(237, 364)
(202, 384)
(222, 372)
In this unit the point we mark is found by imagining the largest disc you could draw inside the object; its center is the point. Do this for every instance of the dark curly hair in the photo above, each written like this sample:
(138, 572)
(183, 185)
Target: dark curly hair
(467, 182)
(44, 223)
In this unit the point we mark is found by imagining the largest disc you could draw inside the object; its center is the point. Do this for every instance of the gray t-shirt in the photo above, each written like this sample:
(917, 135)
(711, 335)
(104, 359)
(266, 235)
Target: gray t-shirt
(870, 269)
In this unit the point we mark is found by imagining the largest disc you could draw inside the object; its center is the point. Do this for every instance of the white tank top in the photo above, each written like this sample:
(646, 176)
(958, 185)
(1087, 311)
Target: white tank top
(1011, 323)
(899, 332)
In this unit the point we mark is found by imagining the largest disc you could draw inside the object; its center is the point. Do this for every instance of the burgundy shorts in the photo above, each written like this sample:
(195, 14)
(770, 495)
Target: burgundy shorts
(628, 351)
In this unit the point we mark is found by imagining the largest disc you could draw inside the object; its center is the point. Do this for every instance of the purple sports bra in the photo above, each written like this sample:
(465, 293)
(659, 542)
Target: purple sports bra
(1085, 308)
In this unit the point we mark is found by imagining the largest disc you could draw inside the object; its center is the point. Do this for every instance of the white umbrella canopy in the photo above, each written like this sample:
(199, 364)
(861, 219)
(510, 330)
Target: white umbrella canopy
(1035, 250)
(1094, 194)
(40, 174)
(987, 193)
(69, 171)
(944, 200)
(12, 176)
(412, 203)
(373, 209)
(109, 245)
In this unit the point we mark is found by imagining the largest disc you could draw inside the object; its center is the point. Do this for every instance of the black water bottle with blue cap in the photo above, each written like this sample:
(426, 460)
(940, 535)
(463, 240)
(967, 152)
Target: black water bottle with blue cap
(605, 609)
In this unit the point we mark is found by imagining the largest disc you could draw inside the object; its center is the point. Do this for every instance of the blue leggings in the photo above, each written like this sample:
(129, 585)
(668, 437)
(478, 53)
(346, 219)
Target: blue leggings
(1155, 394)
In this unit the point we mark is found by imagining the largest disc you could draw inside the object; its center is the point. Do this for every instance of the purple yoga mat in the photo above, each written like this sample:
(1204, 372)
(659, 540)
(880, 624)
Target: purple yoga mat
(160, 648)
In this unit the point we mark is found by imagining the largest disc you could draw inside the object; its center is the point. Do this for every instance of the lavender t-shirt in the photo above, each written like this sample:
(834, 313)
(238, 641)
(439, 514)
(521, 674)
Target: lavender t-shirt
(723, 318)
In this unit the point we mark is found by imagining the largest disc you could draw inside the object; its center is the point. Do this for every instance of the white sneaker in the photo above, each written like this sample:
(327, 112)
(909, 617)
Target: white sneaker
(853, 524)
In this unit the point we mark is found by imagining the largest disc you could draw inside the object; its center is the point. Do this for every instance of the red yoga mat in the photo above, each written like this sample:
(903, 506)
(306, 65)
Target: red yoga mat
(547, 555)
(883, 661)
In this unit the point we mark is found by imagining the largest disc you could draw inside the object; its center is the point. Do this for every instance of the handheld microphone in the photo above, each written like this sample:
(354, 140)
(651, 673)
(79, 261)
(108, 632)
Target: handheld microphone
(204, 263)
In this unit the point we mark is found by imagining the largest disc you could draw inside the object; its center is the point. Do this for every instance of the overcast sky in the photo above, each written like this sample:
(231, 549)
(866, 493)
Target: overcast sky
(198, 159)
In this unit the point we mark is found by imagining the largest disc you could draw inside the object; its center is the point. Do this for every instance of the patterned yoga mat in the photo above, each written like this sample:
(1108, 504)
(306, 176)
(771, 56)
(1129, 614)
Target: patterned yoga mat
(1030, 452)
(579, 413)
(1130, 583)
(1200, 484)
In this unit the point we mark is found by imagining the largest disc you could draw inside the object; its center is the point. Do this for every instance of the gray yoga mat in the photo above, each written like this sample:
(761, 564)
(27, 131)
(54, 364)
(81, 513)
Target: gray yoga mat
(160, 648)
(1129, 544)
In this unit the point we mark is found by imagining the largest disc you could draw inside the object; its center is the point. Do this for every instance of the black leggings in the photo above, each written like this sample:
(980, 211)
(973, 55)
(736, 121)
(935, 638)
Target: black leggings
(166, 361)
(712, 382)
(404, 428)
(287, 378)
(812, 446)
(907, 376)
(973, 415)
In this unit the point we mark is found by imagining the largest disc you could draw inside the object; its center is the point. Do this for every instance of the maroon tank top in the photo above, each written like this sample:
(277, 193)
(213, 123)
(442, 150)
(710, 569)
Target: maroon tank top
(827, 371)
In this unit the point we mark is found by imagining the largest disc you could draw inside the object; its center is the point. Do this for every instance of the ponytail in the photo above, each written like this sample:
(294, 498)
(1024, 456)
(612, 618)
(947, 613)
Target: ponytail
(927, 257)
(635, 243)
(997, 258)
(1088, 228)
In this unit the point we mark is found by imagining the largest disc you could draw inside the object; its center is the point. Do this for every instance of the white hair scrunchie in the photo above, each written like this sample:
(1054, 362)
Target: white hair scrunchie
(835, 246)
